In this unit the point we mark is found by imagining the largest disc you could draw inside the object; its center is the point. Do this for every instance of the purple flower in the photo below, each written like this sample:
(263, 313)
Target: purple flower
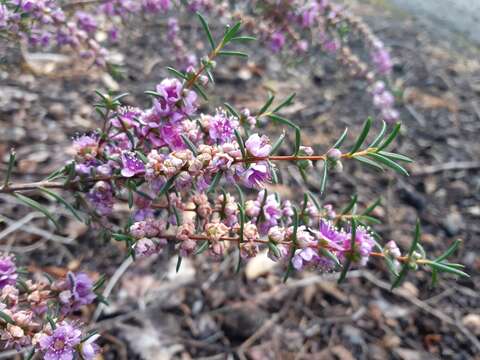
(146, 247)
(88, 348)
(86, 146)
(101, 198)
(156, 5)
(126, 117)
(256, 175)
(171, 90)
(60, 345)
(220, 127)
(79, 292)
(258, 146)
(86, 21)
(131, 164)
(8, 271)
(363, 245)
(381, 59)
(308, 15)
(277, 41)
(304, 257)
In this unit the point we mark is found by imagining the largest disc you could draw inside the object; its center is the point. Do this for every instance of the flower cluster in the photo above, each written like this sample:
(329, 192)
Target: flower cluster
(40, 314)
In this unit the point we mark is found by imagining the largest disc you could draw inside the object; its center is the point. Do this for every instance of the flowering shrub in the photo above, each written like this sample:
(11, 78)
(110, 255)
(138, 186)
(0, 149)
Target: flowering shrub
(39, 314)
(183, 175)
(289, 26)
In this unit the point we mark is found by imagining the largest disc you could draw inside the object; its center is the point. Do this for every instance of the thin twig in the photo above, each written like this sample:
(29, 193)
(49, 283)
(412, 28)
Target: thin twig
(111, 284)
(450, 166)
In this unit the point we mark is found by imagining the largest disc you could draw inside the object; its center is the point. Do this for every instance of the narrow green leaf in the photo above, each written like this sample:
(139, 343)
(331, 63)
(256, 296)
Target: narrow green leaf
(179, 263)
(368, 219)
(348, 262)
(350, 205)
(215, 181)
(390, 163)
(372, 206)
(241, 211)
(168, 184)
(391, 266)
(30, 354)
(141, 156)
(341, 139)
(323, 181)
(63, 201)
(366, 161)
(314, 200)
(206, 28)
(36, 206)
(200, 91)
(379, 137)
(203, 246)
(330, 255)
(120, 97)
(210, 76)
(287, 102)
(231, 33)
(416, 239)
(394, 156)
(240, 195)
(122, 237)
(445, 268)
(6, 318)
(287, 122)
(267, 104)
(232, 110)
(177, 73)
(189, 144)
(401, 276)
(449, 251)
(232, 53)
(294, 245)
(390, 137)
(277, 143)
(363, 135)
(152, 93)
(244, 38)
(273, 248)
(11, 163)
(99, 283)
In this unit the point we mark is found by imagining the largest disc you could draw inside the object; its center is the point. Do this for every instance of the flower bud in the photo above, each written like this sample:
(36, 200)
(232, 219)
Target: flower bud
(334, 154)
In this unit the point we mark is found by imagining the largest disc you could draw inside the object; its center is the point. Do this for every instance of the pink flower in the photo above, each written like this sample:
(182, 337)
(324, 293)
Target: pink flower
(277, 41)
(258, 146)
(131, 164)
(170, 90)
(256, 175)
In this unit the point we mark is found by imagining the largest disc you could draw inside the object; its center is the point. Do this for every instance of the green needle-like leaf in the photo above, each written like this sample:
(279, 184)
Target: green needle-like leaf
(36, 206)
(64, 202)
(390, 137)
(206, 28)
(363, 135)
(390, 163)
(232, 53)
(341, 139)
(189, 144)
(379, 137)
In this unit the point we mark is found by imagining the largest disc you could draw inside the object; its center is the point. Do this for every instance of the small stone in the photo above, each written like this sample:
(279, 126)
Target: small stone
(243, 322)
(57, 111)
(453, 223)
(472, 322)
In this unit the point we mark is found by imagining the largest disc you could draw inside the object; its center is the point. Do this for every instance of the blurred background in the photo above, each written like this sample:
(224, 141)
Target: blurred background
(206, 311)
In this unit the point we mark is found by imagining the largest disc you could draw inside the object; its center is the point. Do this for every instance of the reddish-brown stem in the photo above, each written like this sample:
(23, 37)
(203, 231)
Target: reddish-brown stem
(59, 185)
